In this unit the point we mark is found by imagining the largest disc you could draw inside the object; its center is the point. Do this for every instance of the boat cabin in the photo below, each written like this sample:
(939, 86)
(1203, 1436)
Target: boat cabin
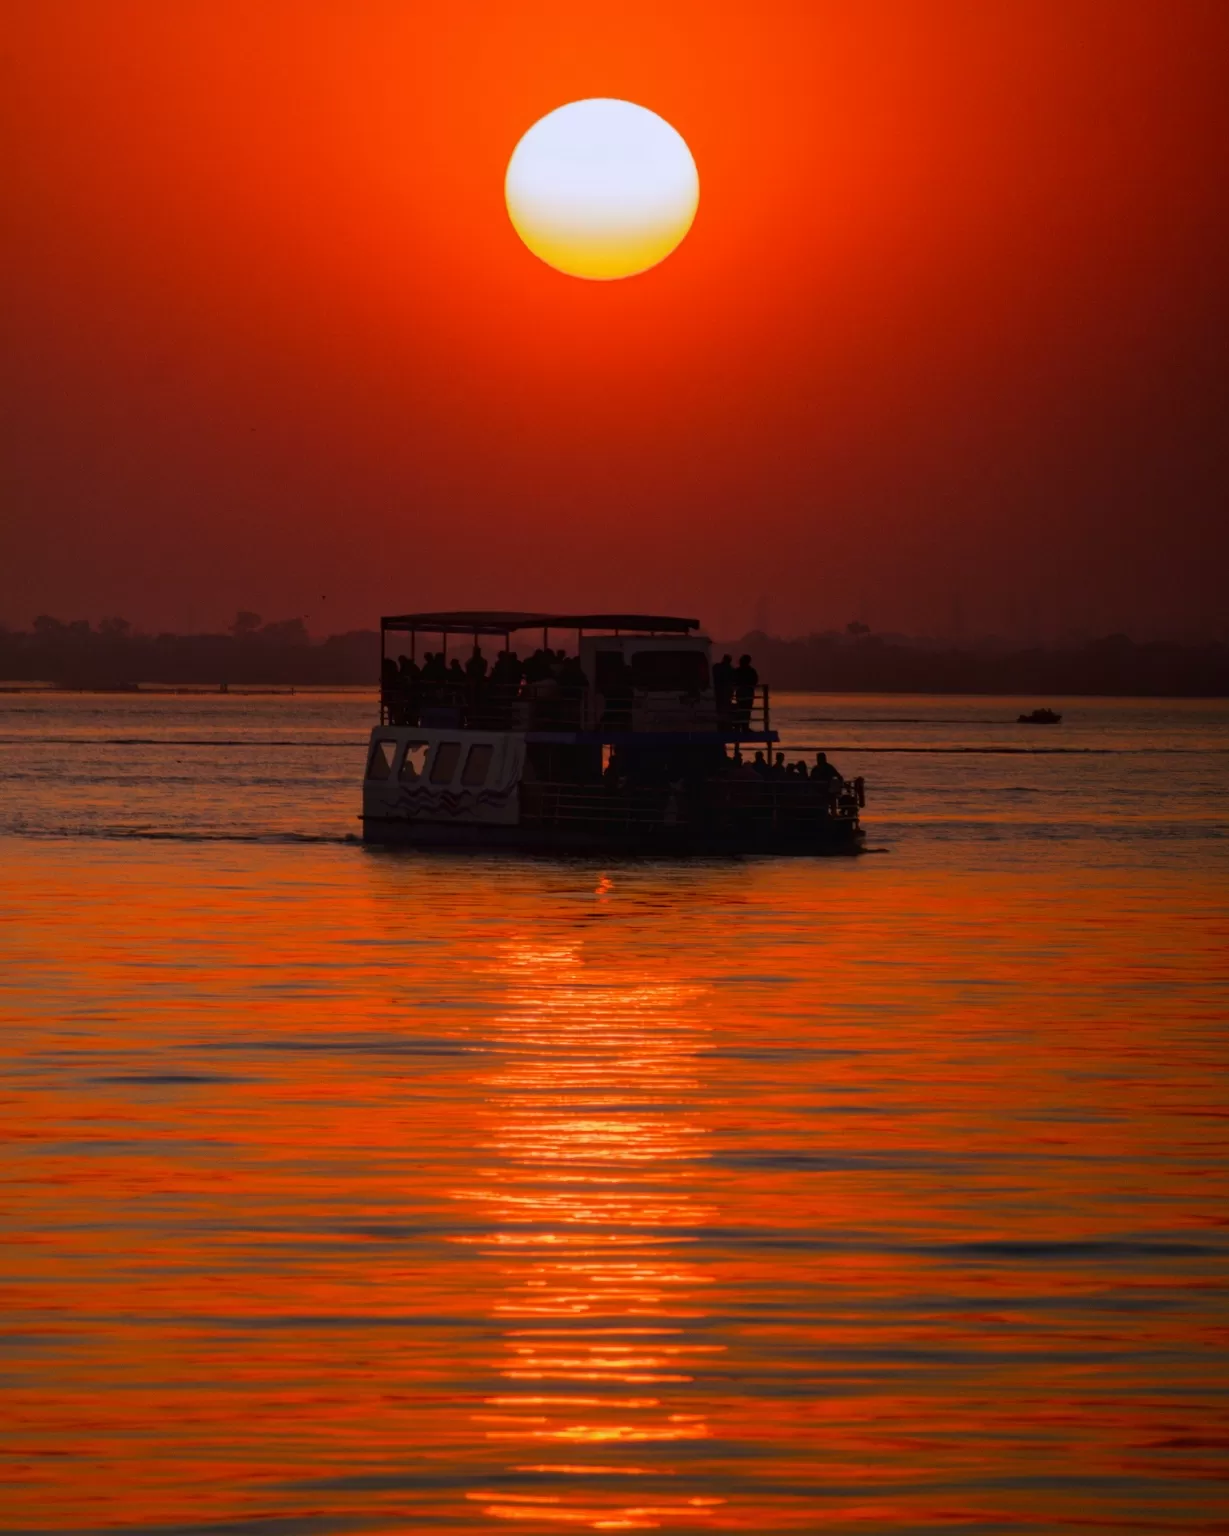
(624, 672)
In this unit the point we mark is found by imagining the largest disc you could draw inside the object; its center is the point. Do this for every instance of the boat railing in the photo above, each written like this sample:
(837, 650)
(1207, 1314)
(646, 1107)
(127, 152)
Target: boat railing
(479, 704)
(714, 803)
(552, 804)
(793, 797)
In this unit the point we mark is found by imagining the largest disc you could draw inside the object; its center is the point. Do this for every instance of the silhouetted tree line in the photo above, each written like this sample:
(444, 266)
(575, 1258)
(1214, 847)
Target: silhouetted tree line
(112, 654)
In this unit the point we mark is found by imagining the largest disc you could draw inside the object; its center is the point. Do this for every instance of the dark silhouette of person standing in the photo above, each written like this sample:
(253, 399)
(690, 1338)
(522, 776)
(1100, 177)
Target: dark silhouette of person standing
(723, 686)
(746, 681)
(824, 773)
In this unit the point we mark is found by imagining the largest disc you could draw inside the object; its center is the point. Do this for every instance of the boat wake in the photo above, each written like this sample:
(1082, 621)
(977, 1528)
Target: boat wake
(168, 835)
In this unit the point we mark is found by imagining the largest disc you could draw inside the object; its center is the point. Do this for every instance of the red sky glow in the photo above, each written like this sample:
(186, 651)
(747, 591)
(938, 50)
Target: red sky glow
(947, 346)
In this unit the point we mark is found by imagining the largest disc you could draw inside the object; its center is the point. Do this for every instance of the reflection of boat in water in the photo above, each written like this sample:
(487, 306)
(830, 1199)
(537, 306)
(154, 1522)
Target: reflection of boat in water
(625, 746)
(1039, 717)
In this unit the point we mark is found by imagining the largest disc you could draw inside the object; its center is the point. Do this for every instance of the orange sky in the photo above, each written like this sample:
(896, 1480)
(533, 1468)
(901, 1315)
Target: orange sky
(948, 343)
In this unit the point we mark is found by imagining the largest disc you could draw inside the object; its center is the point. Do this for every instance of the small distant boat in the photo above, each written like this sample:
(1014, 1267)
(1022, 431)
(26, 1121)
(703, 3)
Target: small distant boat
(1039, 717)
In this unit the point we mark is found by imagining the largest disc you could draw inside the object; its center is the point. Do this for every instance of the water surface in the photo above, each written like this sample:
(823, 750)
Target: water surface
(355, 1190)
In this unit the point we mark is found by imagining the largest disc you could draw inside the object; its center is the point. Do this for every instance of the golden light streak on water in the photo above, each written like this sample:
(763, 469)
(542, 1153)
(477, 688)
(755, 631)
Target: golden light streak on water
(590, 1125)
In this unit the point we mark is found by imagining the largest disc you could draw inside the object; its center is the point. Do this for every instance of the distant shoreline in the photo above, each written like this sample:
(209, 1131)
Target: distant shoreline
(289, 690)
(179, 690)
(282, 657)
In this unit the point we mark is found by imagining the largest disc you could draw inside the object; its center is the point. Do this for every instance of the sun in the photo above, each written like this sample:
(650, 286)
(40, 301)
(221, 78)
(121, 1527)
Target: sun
(602, 188)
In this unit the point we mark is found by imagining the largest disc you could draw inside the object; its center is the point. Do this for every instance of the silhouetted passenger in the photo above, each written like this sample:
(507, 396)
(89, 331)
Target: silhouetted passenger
(456, 673)
(506, 673)
(408, 691)
(433, 668)
(759, 766)
(475, 668)
(390, 689)
(572, 674)
(616, 686)
(824, 773)
(778, 767)
(723, 685)
(746, 681)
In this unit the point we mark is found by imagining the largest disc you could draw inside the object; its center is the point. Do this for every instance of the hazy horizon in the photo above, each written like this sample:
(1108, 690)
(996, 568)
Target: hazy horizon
(1024, 628)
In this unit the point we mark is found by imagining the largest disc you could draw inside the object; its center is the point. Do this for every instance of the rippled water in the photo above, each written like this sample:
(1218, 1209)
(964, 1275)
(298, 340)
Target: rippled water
(356, 1190)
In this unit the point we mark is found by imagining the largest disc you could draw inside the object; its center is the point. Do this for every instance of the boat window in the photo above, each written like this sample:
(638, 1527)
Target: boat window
(444, 767)
(415, 760)
(477, 765)
(380, 763)
(670, 671)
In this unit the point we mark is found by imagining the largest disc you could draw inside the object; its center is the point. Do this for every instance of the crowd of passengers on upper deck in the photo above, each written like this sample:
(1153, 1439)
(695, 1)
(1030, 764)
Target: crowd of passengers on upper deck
(546, 677)
(408, 688)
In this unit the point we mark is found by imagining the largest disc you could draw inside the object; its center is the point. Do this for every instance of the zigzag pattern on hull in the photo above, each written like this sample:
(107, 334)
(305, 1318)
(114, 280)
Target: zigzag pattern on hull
(419, 801)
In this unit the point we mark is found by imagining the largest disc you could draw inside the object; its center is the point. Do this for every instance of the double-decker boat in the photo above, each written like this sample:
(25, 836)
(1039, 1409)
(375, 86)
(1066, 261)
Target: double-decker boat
(626, 745)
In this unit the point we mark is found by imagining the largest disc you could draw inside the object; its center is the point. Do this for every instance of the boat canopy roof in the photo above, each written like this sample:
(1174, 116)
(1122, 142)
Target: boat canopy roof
(486, 622)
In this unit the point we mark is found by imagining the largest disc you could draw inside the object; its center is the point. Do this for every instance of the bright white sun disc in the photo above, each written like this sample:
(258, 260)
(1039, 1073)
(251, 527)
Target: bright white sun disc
(602, 188)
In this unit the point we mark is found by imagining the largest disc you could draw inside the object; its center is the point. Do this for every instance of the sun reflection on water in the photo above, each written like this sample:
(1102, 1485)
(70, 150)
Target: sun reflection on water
(594, 1135)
